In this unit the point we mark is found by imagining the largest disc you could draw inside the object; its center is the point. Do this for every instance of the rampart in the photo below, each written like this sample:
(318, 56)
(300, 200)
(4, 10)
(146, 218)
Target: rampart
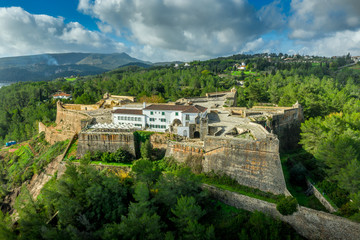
(309, 223)
(105, 142)
(68, 122)
(69, 119)
(252, 163)
(183, 150)
(285, 122)
(82, 107)
(160, 140)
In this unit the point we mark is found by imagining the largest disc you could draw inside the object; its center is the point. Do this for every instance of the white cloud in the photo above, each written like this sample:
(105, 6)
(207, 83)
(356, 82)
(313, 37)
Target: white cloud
(338, 44)
(312, 19)
(254, 46)
(185, 28)
(23, 33)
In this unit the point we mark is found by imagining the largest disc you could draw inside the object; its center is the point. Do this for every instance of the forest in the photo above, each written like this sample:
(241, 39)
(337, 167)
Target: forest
(328, 151)
(156, 200)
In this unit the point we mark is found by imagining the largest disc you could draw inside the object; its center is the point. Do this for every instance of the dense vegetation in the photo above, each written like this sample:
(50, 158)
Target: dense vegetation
(26, 160)
(150, 203)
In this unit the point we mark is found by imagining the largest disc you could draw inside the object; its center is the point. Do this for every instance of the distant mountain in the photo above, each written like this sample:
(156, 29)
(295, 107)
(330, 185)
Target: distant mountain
(50, 66)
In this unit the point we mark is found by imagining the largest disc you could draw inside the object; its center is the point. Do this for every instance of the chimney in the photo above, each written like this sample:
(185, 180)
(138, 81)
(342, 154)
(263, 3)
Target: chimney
(144, 104)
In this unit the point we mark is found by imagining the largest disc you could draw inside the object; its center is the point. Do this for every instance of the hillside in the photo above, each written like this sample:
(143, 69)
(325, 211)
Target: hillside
(50, 66)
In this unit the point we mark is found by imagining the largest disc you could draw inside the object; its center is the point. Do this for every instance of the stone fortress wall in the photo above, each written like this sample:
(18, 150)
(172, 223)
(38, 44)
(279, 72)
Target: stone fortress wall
(182, 151)
(68, 122)
(253, 163)
(309, 223)
(285, 122)
(105, 142)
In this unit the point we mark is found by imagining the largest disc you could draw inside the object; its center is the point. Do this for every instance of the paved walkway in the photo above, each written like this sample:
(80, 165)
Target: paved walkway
(223, 120)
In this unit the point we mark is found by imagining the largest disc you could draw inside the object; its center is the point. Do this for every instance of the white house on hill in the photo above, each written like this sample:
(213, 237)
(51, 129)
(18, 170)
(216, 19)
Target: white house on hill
(159, 118)
(62, 95)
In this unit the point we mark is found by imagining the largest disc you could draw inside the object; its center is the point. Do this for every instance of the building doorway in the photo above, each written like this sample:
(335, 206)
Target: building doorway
(196, 134)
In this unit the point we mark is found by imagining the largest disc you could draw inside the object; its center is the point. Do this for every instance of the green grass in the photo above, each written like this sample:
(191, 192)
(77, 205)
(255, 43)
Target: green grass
(238, 73)
(315, 64)
(72, 149)
(71, 79)
(231, 185)
(108, 164)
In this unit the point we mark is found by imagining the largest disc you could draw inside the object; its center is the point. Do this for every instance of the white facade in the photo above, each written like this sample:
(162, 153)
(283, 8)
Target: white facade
(159, 118)
(133, 116)
(137, 120)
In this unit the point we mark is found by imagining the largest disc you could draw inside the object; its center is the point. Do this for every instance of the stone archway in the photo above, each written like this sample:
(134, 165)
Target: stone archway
(196, 134)
(174, 125)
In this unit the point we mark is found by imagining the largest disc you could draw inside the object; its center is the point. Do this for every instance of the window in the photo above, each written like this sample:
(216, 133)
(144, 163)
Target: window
(163, 113)
(187, 117)
(132, 118)
(176, 114)
(152, 119)
(118, 118)
(163, 119)
(151, 113)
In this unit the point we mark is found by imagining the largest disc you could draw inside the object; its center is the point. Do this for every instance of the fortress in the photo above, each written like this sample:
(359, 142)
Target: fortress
(239, 142)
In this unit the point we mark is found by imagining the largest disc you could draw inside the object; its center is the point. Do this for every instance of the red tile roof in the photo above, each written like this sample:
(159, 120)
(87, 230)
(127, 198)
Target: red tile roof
(166, 107)
(182, 108)
(195, 109)
(128, 111)
(62, 95)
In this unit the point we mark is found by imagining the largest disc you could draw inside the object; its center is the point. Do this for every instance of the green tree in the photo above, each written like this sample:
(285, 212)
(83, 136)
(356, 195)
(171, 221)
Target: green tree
(145, 171)
(287, 205)
(146, 150)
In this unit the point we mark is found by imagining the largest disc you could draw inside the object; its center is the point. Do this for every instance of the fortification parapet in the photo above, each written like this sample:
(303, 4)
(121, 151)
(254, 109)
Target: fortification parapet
(105, 141)
(252, 163)
(183, 150)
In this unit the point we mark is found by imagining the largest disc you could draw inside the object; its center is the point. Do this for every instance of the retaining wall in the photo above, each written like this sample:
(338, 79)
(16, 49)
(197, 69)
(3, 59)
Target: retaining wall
(252, 163)
(321, 198)
(105, 142)
(182, 150)
(309, 223)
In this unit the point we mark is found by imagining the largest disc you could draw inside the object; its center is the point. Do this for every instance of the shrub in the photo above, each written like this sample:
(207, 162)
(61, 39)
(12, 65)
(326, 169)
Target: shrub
(122, 156)
(287, 205)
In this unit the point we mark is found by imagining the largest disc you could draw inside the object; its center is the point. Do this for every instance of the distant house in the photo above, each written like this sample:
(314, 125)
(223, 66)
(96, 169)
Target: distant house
(355, 58)
(160, 118)
(240, 67)
(62, 95)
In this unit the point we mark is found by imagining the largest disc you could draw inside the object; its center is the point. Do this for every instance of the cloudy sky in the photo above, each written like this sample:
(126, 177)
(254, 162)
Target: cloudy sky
(166, 30)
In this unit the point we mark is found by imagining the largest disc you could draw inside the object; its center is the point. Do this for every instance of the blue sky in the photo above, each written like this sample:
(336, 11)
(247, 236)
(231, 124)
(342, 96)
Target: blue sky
(167, 30)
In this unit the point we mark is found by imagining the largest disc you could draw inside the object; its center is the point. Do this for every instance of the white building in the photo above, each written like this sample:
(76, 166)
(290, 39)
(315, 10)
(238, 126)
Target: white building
(62, 95)
(159, 118)
(133, 116)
